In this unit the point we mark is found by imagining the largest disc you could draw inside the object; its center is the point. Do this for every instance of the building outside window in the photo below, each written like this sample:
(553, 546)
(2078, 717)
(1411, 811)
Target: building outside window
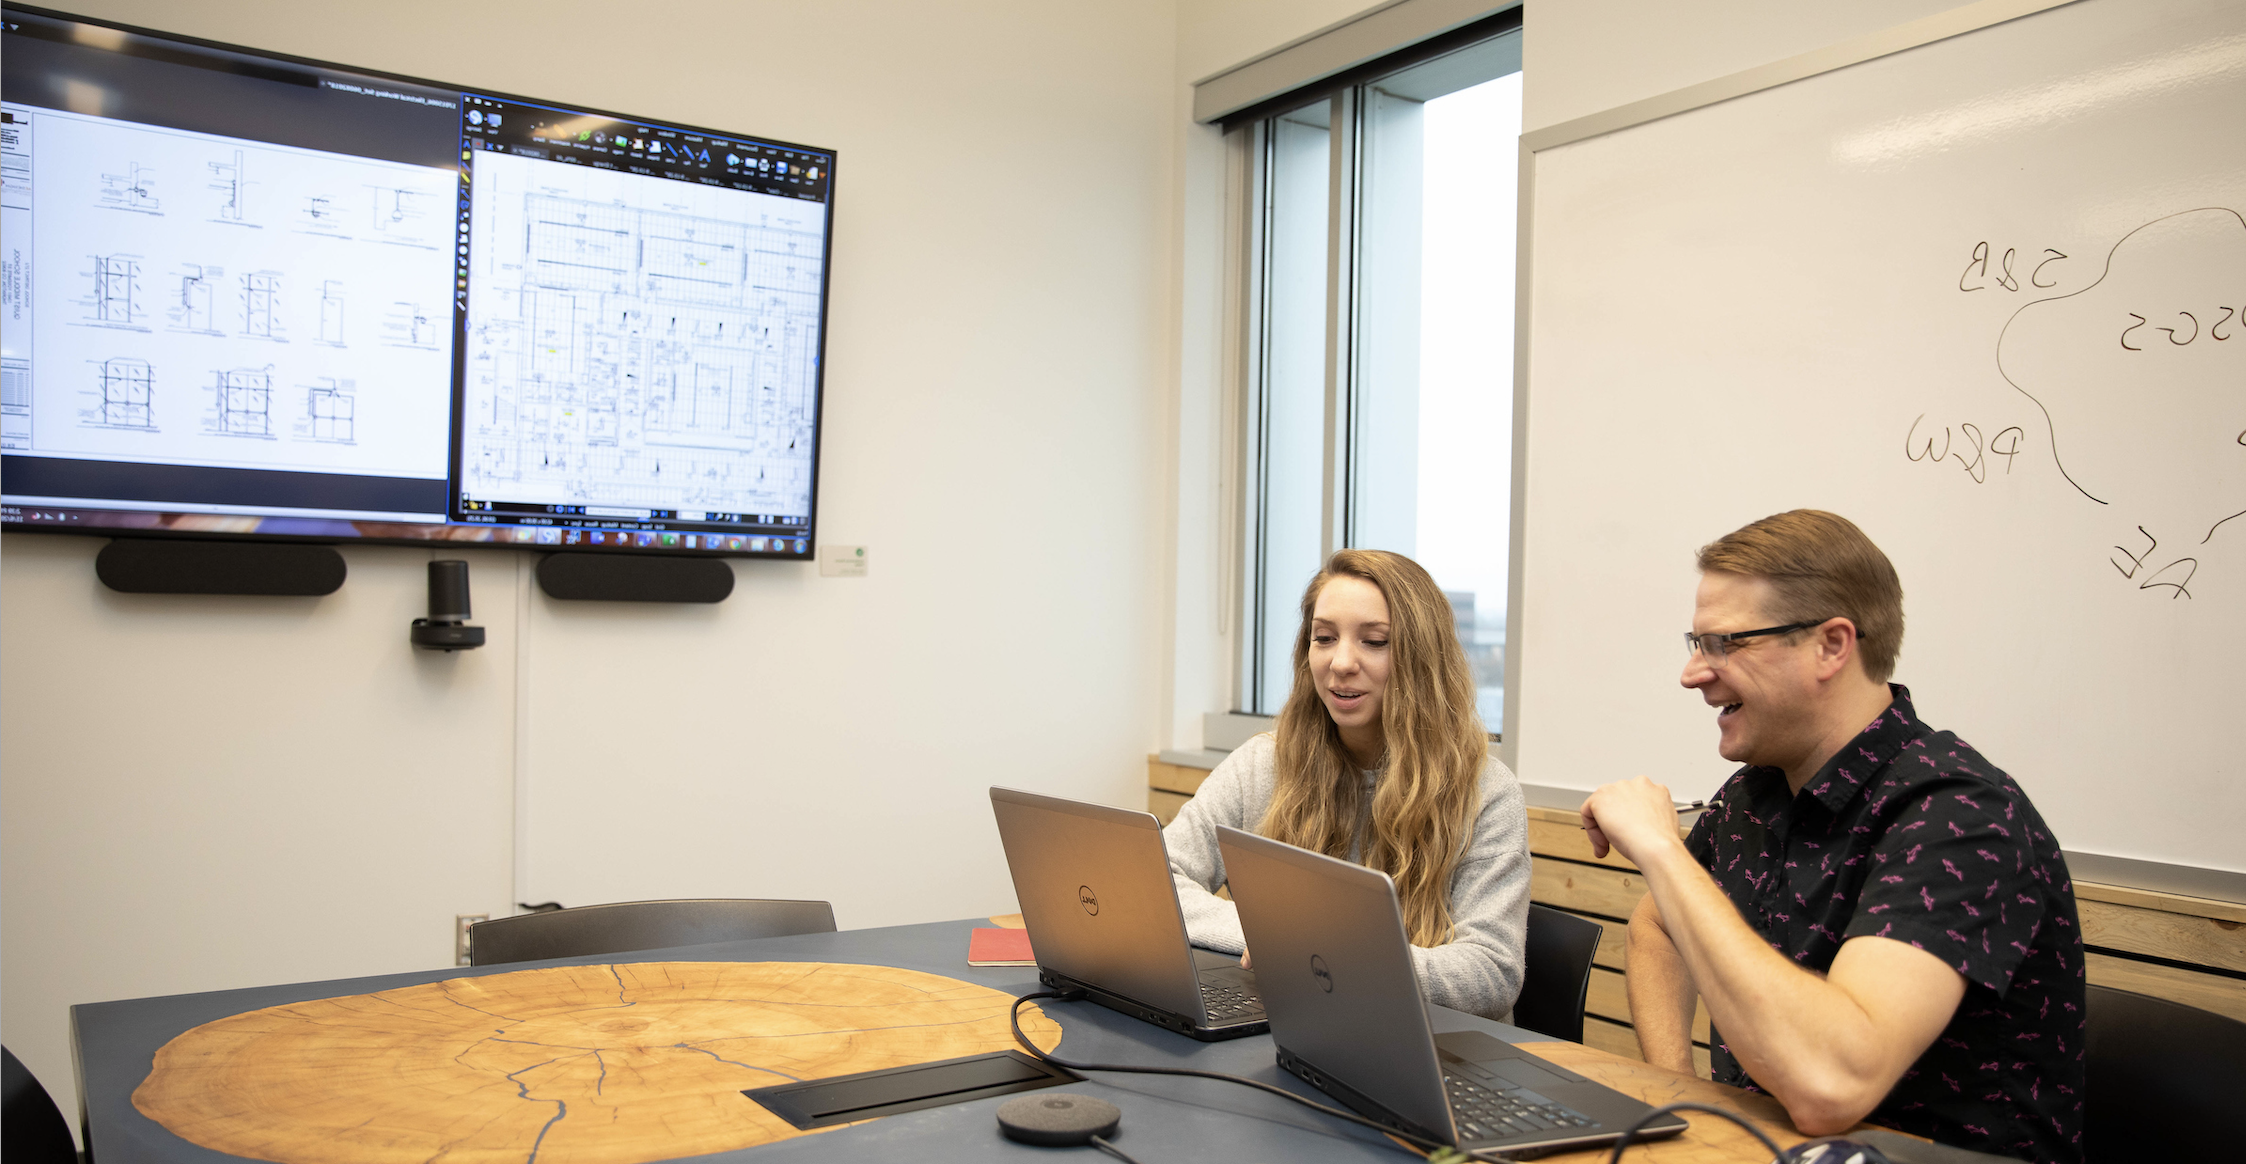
(1379, 346)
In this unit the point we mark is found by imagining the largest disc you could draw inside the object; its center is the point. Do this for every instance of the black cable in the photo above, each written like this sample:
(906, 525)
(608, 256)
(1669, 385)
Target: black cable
(1615, 1157)
(1070, 996)
(1102, 1143)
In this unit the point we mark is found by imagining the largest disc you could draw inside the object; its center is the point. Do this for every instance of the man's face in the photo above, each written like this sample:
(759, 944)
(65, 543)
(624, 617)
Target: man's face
(1764, 690)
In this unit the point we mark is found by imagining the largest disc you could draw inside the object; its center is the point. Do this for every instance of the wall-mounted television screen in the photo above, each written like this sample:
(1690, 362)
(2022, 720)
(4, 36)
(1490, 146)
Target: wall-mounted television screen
(244, 294)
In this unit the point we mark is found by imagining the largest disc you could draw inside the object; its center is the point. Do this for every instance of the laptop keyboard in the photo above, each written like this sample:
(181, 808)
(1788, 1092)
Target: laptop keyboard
(1490, 1115)
(1229, 1003)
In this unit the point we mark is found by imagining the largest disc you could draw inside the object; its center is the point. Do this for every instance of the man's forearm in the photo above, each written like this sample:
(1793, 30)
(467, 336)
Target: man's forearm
(1828, 1045)
(1800, 1037)
(1661, 992)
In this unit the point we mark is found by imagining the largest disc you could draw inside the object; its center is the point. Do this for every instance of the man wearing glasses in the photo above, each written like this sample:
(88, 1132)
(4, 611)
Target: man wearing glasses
(1879, 922)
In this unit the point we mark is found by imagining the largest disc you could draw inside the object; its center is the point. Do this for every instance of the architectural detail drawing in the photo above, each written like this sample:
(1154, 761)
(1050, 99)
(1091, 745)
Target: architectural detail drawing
(126, 399)
(243, 402)
(133, 190)
(330, 411)
(648, 358)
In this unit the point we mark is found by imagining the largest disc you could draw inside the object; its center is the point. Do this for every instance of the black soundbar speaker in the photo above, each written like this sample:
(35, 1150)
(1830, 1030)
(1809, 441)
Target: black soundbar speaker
(632, 578)
(165, 566)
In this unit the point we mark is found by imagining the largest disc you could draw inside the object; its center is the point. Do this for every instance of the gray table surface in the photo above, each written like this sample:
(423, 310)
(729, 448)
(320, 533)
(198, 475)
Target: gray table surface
(1165, 1119)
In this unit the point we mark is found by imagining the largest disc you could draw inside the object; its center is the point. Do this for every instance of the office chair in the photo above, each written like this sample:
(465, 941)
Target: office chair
(32, 1130)
(2164, 1079)
(1558, 976)
(641, 925)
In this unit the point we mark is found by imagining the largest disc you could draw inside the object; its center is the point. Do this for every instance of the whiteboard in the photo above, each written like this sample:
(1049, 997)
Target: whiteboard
(1982, 297)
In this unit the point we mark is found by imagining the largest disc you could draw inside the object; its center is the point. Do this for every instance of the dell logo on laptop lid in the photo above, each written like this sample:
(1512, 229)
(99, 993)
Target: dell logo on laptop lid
(1086, 898)
(1324, 976)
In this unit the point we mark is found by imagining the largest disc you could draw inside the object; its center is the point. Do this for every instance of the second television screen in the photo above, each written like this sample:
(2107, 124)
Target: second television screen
(264, 296)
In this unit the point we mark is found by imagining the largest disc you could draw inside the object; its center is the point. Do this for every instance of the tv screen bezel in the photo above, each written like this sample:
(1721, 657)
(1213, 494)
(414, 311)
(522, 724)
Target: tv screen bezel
(447, 534)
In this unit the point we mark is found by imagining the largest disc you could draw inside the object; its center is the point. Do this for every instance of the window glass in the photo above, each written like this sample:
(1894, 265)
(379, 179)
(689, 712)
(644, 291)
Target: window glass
(1464, 473)
(1290, 428)
(1406, 444)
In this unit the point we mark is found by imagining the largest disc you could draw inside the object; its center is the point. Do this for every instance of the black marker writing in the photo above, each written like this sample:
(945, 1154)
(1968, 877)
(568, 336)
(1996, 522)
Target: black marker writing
(2159, 577)
(2135, 560)
(1977, 268)
(1980, 259)
(2187, 339)
(2180, 336)
(2006, 444)
(2191, 567)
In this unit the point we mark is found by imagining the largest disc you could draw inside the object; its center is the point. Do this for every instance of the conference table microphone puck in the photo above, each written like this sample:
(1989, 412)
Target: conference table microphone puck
(1057, 1121)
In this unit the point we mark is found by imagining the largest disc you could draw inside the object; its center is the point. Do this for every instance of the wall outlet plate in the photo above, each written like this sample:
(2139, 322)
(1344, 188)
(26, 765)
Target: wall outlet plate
(460, 924)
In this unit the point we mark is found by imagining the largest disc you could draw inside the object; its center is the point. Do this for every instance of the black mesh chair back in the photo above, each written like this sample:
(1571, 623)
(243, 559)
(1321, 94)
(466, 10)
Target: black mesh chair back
(2164, 1080)
(1558, 978)
(641, 925)
(32, 1130)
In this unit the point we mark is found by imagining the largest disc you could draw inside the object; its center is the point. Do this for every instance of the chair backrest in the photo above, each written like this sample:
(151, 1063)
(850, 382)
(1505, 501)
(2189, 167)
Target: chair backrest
(32, 1130)
(2164, 1079)
(641, 925)
(1558, 977)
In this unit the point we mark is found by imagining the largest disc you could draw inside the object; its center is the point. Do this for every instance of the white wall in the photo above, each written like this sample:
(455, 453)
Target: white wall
(1212, 35)
(1023, 423)
(1579, 57)
(1585, 56)
(199, 793)
(209, 793)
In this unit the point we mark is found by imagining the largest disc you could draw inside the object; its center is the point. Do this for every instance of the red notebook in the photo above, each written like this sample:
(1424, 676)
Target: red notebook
(989, 946)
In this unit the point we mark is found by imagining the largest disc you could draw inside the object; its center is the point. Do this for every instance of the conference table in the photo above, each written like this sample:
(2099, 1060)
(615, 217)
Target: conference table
(471, 1064)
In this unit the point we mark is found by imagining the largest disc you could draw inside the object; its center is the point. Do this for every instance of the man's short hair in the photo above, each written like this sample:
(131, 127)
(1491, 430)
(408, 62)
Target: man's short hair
(1820, 566)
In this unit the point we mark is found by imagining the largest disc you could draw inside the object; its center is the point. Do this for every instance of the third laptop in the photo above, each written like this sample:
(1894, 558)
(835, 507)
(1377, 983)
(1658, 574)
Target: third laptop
(1103, 917)
(1335, 969)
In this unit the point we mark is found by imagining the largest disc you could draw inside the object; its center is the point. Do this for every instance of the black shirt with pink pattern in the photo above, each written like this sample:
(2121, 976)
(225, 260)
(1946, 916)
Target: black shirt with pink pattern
(1908, 833)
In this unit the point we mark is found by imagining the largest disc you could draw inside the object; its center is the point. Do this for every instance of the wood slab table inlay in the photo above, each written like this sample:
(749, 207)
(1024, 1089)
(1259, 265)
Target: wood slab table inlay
(1710, 1139)
(616, 1064)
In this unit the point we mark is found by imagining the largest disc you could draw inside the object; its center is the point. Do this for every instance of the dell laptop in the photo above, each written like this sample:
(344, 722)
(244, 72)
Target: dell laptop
(1346, 1014)
(1102, 912)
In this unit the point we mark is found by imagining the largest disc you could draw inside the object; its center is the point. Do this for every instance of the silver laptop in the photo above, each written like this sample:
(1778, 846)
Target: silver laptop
(1346, 1014)
(1102, 912)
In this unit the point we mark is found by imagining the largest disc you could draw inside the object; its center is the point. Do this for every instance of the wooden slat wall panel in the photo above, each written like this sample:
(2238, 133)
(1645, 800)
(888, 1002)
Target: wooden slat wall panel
(1614, 940)
(1610, 999)
(1552, 838)
(1564, 875)
(2159, 934)
(2230, 911)
(2206, 991)
(1613, 1038)
(1584, 888)
(1176, 778)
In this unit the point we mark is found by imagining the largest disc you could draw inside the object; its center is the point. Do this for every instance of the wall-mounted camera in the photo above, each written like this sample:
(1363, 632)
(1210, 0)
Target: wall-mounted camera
(446, 628)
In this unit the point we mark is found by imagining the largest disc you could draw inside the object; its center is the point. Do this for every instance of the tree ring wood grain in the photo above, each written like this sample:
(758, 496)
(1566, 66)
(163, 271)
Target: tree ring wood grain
(611, 1064)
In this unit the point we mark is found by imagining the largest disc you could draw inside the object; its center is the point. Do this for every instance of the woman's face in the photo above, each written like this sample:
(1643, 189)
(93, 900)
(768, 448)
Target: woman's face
(1349, 660)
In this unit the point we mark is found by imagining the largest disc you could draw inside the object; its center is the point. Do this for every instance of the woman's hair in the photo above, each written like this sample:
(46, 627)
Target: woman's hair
(1424, 804)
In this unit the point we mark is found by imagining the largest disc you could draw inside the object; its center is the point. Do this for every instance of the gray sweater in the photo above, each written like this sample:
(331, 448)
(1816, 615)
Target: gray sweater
(1479, 970)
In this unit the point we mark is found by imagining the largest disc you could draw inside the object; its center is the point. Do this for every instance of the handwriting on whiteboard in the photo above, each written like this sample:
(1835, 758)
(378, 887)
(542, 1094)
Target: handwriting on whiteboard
(1969, 448)
(2188, 328)
(2139, 390)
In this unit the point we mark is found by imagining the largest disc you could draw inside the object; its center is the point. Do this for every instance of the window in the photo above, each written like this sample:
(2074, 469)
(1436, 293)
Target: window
(1379, 345)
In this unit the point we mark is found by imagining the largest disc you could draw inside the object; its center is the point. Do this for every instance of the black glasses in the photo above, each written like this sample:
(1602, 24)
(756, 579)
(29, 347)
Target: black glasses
(1715, 647)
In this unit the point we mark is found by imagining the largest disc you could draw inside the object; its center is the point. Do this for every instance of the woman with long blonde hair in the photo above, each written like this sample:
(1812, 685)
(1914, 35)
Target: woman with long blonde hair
(1378, 757)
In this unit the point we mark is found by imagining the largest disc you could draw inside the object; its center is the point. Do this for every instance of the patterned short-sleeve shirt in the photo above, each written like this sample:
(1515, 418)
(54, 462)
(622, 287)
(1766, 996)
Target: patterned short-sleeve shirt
(1907, 833)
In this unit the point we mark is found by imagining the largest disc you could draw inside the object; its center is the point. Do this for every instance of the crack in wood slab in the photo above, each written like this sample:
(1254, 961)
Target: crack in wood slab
(604, 1064)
